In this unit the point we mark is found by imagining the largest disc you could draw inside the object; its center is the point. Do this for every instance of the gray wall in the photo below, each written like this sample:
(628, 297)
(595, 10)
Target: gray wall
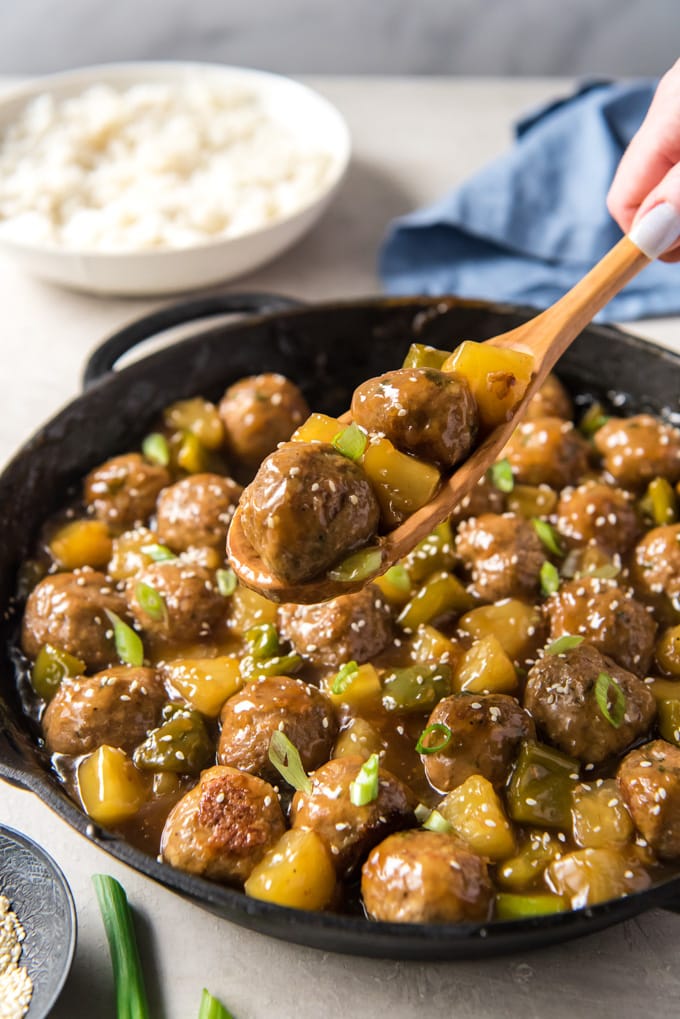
(564, 37)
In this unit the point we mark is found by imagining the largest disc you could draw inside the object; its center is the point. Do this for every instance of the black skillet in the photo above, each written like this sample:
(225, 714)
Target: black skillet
(327, 349)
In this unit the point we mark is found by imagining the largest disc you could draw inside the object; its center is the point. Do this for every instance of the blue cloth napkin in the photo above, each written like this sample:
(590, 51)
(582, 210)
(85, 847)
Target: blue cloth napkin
(530, 224)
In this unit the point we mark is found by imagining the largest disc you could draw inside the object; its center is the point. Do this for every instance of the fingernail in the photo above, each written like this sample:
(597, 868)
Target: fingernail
(657, 230)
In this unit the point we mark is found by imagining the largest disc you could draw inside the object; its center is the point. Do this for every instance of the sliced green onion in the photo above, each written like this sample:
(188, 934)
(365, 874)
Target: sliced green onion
(562, 644)
(131, 1002)
(424, 746)
(550, 578)
(422, 812)
(365, 787)
(226, 581)
(158, 553)
(437, 822)
(263, 640)
(501, 476)
(358, 566)
(129, 647)
(604, 685)
(548, 535)
(592, 420)
(211, 1008)
(346, 675)
(285, 757)
(351, 442)
(156, 449)
(151, 601)
(398, 576)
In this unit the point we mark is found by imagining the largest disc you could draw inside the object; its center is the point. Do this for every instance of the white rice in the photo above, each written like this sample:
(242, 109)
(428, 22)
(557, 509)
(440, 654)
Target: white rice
(149, 167)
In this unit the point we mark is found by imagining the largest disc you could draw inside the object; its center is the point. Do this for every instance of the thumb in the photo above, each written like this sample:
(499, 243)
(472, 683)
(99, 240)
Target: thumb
(658, 219)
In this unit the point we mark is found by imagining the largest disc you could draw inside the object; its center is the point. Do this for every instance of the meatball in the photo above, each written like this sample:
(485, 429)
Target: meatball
(501, 554)
(656, 564)
(183, 603)
(69, 611)
(117, 706)
(484, 498)
(547, 451)
(223, 826)
(429, 413)
(608, 617)
(561, 695)
(123, 491)
(350, 832)
(353, 627)
(197, 511)
(272, 704)
(635, 450)
(425, 877)
(486, 731)
(307, 508)
(649, 779)
(598, 514)
(551, 401)
(258, 413)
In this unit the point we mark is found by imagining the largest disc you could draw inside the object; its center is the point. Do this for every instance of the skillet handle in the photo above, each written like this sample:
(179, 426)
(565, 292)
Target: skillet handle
(103, 358)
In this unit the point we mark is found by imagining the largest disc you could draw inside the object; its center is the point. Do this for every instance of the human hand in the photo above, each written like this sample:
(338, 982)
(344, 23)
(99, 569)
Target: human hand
(649, 172)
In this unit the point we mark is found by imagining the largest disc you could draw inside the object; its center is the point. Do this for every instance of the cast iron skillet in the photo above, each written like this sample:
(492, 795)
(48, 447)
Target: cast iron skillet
(327, 349)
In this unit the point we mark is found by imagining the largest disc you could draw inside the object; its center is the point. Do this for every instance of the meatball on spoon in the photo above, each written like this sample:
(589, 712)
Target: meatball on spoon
(545, 337)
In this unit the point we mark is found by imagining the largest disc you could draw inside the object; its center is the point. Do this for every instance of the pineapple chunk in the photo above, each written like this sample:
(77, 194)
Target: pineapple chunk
(198, 416)
(486, 668)
(431, 645)
(297, 872)
(81, 543)
(589, 876)
(360, 737)
(318, 428)
(401, 483)
(111, 788)
(525, 870)
(497, 377)
(475, 812)
(248, 608)
(600, 817)
(442, 594)
(363, 689)
(514, 624)
(205, 683)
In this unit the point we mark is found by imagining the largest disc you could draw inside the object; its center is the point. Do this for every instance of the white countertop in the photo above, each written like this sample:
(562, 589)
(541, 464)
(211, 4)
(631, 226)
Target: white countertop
(413, 139)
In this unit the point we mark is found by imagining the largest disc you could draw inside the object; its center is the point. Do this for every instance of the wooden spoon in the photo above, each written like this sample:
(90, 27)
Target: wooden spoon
(546, 337)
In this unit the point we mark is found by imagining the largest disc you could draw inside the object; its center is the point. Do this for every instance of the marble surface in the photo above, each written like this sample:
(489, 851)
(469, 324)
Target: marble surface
(413, 138)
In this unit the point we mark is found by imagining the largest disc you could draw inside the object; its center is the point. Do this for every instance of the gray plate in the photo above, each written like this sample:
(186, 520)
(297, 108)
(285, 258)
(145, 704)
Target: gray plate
(42, 900)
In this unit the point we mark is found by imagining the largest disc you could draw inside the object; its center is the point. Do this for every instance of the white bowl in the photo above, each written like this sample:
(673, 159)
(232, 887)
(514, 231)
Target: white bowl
(166, 271)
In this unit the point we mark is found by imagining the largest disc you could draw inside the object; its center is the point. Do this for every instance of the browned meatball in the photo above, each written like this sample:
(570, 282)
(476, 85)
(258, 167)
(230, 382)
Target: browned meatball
(117, 706)
(608, 617)
(123, 490)
(425, 877)
(551, 401)
(656, 563)
(429, 413)
(598, 514)
(501, 554)
(649, 779)
(547, 451)
(637, 449)
(68, 610)
(486, 731)
(353, 627)
(484, 498)
(272, 704)
(183, 603)
(258, 413)
(197, 511)
(349, 831)
(307, 508)
(224, 826)
(561, 696)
